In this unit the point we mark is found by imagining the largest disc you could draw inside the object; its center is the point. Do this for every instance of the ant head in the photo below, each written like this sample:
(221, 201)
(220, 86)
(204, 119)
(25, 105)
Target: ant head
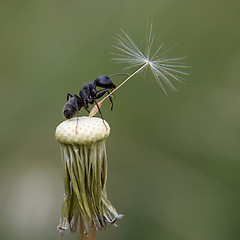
(105, 82)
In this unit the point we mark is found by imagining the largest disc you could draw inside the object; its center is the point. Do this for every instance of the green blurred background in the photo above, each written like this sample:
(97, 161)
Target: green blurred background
(173, 160)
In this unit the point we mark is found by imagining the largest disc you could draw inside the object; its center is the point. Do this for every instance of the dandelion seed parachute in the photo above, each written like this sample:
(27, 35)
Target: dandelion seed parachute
(164, 70)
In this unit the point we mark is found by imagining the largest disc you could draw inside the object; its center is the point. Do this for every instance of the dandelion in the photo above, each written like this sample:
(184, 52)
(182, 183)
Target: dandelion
(85, 174)
(163, 69)
(83, 144)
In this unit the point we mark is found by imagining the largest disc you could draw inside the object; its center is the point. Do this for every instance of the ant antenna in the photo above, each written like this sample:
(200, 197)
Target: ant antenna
(117, 74)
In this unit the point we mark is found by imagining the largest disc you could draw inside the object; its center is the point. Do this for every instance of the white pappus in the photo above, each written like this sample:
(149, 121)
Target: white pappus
(163, 69)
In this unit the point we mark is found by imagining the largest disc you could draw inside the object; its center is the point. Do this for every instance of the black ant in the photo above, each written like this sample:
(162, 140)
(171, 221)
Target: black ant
(88, 95)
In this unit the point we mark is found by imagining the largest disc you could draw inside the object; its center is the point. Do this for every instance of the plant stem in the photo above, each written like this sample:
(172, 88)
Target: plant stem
(91, 234)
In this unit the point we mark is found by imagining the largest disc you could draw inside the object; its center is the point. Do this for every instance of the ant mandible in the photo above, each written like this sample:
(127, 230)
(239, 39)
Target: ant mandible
(88, 95)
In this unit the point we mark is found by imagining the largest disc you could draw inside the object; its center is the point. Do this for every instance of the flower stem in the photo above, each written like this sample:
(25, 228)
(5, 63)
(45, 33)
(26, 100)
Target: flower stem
(90, 235)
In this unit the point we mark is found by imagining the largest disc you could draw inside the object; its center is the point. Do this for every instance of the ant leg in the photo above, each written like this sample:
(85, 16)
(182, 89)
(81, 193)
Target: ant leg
(98, 108)
(75, 102)
(111, 101)
(69, 95)
(100, 113)
(87, 109)
(76, 106)
(102, 92)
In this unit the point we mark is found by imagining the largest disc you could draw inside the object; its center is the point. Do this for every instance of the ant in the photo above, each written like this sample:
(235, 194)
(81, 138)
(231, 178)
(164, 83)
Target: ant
(88, 95)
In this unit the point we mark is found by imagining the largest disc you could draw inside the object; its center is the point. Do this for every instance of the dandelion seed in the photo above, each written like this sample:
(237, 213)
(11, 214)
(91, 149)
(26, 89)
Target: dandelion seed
(163, 69)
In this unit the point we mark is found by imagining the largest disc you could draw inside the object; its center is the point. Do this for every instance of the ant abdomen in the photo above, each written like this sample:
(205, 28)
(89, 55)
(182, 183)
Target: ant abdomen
(69, 111)
(72, 106)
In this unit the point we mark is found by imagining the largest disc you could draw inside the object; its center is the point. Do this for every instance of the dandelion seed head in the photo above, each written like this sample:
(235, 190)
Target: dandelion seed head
(163, 69)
